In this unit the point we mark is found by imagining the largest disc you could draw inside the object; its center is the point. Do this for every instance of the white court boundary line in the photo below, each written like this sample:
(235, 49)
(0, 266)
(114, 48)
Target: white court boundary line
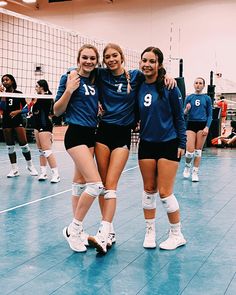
(35, 201)
(48, 197)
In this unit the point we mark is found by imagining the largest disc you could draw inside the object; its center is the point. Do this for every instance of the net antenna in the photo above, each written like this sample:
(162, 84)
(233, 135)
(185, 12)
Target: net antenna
(171, 58)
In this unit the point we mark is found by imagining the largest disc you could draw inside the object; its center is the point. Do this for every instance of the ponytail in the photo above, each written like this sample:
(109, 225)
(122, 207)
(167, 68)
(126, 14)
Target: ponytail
(127, 75)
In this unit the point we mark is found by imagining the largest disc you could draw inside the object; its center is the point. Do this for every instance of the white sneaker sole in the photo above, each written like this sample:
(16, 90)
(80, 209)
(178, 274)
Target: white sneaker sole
(94, 244)
(71, 246)
(12, 176)
(177, 246)
(195, 180)
(42, 179)
(149, 246)
(55, 181)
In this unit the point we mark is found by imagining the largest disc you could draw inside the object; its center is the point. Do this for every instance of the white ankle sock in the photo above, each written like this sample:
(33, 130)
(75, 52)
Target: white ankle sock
(112, 228)
(29, 163)
(14, 166)
(175, 228)
(105, 227)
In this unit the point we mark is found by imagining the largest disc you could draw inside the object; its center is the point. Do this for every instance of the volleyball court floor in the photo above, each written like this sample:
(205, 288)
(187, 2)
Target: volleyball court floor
(35, 258)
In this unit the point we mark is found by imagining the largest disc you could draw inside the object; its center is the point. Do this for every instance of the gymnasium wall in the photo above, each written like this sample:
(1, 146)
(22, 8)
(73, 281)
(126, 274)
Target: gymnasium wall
(31, 49)
(203, 31)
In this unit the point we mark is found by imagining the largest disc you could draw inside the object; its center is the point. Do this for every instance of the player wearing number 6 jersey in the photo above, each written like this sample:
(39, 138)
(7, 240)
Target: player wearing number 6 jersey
(198, 108)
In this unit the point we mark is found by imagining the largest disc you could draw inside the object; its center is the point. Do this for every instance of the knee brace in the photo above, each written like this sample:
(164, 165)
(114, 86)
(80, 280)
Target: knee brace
(77, 189)
(102, 193)
(198, 153)
(94, 188)
(47, 153)
(110, 194)
(41, 153)
(149, 200)
(11, 149)
(25, 148)
(170, 203)
(189, 155)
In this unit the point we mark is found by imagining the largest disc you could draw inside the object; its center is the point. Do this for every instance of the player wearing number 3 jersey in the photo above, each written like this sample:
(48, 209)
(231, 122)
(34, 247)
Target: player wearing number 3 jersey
(198, 109)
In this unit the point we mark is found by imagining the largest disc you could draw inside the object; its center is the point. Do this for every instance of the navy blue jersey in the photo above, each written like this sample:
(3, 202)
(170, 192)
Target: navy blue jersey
(201, 108)
(118, 105)
(13, 104)
(161, 118)
(82, 108)
(41, 110)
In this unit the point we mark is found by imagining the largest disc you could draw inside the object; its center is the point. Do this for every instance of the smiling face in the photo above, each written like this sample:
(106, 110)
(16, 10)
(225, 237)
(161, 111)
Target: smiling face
(87, 61)
(149, 65)
(113, 58)
(38, 89)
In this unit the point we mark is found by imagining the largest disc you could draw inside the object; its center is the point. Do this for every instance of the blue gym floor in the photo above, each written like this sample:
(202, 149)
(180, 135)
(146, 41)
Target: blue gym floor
(36, 260)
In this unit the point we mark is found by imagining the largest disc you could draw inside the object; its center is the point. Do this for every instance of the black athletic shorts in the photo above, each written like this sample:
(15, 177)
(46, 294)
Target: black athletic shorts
(114, 136)
(196, 126)
(157, 150)
(8, 122)
(79, 135)
(44, 125)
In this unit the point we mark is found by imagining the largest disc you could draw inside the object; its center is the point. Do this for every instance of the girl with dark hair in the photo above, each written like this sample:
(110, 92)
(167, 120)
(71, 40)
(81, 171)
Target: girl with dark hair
(162, 143)
(77, 97)
(42, 110)
(13, 108)
(198, 108)
(118, 90)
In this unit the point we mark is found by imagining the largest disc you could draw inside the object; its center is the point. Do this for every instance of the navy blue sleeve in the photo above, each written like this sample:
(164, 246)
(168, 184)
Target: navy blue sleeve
(209, 112)
(62, 87)
(2, 105)
(176, 103)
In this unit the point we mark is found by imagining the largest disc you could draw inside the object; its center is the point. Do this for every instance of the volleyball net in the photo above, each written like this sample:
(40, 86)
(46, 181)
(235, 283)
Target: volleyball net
(31, 50)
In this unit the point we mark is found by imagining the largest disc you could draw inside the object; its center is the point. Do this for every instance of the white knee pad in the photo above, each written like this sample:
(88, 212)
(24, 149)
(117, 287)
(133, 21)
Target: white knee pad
(149, 201)
(102, 193)
(41, 153)
(11, 149)
(189, 155)
(170, 203)
(110, 194)
(198, 153)
(25, 148)
(77, 189)
(47, 153)
(94, 188)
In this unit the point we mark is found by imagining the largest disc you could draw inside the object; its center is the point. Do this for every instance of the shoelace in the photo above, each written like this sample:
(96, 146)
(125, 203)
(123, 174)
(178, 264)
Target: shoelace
(149, 229)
